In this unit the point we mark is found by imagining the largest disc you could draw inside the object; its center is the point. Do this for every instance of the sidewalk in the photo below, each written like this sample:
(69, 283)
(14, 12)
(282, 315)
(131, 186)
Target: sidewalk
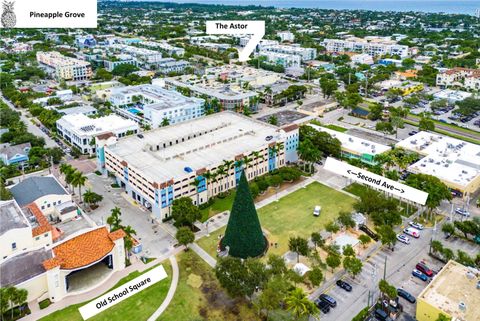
(203, 254)
(92, 294)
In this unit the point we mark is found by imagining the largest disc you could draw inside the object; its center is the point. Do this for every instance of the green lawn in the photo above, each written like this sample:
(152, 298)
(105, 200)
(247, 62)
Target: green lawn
(199, 296)
(137, 307)
(336, 128)
(220, 205)
(292, 216)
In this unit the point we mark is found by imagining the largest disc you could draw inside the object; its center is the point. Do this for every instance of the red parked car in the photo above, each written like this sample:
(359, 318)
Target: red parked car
(424, 269)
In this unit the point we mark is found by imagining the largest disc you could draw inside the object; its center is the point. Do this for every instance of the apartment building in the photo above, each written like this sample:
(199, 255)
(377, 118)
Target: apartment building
(145, 56)
(306, 54)
(80, 130)
(229, 96)
(168, 65)
(373, 46)
(65, 68)
(111, 62)
(160, 165)
(286, 36)
(171, 50)
(285, 60)
(461, 77)
(153, 104)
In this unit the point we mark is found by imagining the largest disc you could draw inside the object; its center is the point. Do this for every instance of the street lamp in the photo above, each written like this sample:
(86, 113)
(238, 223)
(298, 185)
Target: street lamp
(206, 225)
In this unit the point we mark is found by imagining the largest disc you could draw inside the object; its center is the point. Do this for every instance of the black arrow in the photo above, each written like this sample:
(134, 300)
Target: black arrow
(350, 172)
(400, 190)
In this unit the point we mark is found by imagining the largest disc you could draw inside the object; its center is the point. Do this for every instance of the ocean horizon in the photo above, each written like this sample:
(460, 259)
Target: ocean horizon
(433, 6)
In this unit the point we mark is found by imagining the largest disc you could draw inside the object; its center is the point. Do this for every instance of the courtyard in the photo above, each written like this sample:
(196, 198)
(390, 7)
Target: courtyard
(292, 215)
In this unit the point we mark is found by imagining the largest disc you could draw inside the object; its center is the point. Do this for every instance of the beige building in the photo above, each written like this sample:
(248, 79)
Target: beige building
(158, 166)
(453, 292)
(64, 67)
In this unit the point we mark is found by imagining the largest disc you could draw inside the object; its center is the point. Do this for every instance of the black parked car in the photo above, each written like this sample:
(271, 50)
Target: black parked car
(407, 296)
(331, 301)
(322, 305)
(344, 285)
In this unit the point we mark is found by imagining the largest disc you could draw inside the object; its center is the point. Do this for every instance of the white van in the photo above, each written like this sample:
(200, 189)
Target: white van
(412, 232)
(316, 210)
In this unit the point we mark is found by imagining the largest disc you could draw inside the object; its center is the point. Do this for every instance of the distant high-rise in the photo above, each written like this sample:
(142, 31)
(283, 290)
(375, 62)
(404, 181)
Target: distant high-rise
(477, 13)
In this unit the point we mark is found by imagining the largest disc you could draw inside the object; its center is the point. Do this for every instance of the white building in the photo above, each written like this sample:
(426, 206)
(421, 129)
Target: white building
(452, 95)
(80, 130)
(362, 59)
(63, 67)
(285, 60)
(286, 36)
(167, 65)
(171, 50)
(455, 162)
(63, 95)
(146, 56)
(305, 53)
(461, 77)
(161, 165)
(111, 63)
(373, 46)
(156, 104)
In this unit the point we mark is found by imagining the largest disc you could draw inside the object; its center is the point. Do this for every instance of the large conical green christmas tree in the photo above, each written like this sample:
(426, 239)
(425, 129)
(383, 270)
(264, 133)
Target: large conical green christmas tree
(244, 235)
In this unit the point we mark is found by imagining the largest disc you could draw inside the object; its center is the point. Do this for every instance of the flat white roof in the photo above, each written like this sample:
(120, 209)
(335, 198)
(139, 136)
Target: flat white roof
(353, 143)
(449, 159)
(228, 135)
(94, 126)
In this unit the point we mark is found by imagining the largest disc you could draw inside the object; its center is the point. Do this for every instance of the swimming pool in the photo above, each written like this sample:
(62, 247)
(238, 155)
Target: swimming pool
(134, 110)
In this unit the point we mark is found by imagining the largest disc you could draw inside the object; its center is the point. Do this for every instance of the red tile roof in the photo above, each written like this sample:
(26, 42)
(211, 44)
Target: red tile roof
(43, 224)
(84, 249)
(118, 234)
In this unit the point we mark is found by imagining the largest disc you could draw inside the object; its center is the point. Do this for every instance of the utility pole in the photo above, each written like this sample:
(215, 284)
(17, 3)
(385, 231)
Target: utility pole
(385, 269)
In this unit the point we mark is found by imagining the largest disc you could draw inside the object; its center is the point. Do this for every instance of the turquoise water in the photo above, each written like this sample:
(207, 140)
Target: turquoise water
(134, 110)
(447, 6)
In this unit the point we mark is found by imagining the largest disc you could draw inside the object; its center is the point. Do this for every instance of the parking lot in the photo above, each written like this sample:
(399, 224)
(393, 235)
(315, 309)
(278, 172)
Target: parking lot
(398, 272)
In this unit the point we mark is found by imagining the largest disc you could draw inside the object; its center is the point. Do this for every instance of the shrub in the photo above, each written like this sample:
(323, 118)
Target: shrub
(361, 315)
(98, 173)
(262, 183)
(115, 185)
(254, 189)
(290, 173)
(44, 304)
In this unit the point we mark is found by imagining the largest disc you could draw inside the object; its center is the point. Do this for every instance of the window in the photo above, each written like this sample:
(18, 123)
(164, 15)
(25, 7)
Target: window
(37, 238)
(14, 246)
(54, 203)
(48, 205)
(43, 207)
(45, 235)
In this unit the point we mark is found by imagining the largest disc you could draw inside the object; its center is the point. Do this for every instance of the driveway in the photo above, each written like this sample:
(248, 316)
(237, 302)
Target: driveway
(155, 240)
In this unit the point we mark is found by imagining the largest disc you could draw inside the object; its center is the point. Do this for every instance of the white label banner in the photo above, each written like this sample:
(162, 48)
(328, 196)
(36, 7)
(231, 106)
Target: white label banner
(255, 28)
(48, 14)
(377, 181)
(122, 292)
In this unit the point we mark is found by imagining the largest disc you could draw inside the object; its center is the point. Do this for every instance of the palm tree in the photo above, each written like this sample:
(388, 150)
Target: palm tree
(128, 240)
(299, 304)
(91, 198)
(114, 220)
(196, 183)
(66, 170)
(256, 156)
(79, 180)
(208, 176)
(228, 166)
(246, 162)
(165, 122)
(221, 173)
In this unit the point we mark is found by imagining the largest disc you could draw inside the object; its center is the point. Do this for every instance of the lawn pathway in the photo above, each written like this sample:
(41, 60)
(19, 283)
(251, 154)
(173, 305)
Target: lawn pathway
(203, 254)
(171, 290)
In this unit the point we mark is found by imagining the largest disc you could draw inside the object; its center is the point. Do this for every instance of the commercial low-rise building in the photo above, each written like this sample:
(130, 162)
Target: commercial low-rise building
(111, 62)
(160, 165)
(153, 104)
(171, 50)
(80, 130)
(354, 147)
(455, 162)
(145, 56)
(168, 65)
(453, 292)
(362, 59)
(63, 67)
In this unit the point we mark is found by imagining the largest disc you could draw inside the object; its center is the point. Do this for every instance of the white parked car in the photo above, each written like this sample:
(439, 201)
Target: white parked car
(462, 212)
(403, 238)
(412, 232)
(416, 225)
(316, 210)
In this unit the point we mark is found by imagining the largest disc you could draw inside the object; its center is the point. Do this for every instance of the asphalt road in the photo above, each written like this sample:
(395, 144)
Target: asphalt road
(49, 142)
(450, 129)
